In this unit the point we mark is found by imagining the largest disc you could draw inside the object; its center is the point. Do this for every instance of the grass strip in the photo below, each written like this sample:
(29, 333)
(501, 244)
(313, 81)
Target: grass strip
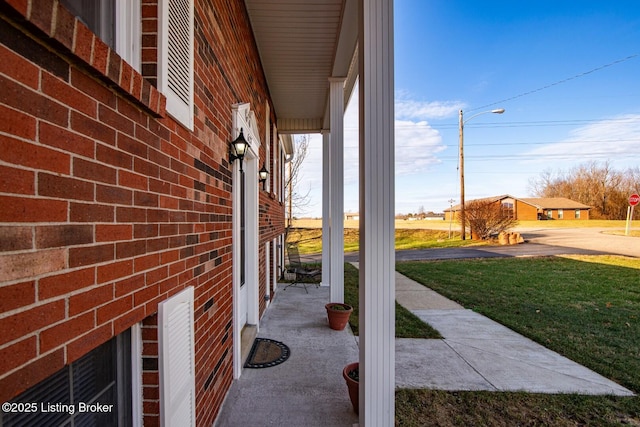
(408, 325)
(423, 408)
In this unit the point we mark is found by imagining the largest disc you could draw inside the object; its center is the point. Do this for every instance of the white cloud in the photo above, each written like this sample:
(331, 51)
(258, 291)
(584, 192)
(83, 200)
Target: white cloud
(409, 109)
(417, 145)
(604, 139)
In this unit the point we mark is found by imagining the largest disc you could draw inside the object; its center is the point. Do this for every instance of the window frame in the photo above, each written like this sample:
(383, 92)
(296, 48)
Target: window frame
(128, 28)
(119, 26)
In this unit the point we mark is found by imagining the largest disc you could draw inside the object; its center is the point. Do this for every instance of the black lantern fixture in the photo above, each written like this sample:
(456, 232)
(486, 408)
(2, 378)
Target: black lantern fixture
(263, 175)
(238, 148)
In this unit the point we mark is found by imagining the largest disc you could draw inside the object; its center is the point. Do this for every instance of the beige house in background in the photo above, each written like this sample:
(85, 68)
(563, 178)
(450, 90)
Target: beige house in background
(533, 208)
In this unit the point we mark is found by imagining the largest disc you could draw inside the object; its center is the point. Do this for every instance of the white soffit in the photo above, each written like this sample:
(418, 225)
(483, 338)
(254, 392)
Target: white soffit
(302, 43)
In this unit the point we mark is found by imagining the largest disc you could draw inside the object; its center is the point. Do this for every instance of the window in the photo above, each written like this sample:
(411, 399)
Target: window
(102, 376)
(98, 15)
(549, 214)
(175, 58)
(560, 214)
(507, 210)
(116, 22)
(577, 214)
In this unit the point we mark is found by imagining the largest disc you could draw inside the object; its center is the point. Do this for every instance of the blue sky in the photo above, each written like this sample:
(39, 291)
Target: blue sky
(566, 72)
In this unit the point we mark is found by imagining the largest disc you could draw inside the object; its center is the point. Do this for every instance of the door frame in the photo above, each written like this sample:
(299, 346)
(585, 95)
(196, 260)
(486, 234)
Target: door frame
(243, 118)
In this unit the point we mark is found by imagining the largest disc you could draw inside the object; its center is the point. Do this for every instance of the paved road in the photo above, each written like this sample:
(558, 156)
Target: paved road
(595, 239)
(539, 242)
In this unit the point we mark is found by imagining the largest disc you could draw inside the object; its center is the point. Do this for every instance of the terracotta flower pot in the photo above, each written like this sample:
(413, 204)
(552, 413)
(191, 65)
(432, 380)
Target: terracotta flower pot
(338, 314)
(353, 385)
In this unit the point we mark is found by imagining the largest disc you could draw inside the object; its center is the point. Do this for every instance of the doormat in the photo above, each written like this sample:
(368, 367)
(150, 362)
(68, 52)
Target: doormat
(266, 353)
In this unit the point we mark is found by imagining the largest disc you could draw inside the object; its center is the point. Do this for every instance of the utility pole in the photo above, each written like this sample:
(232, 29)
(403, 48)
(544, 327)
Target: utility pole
(450, 216)
(461, 164)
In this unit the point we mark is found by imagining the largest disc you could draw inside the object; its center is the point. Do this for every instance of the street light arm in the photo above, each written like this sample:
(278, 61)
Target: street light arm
(497, 111)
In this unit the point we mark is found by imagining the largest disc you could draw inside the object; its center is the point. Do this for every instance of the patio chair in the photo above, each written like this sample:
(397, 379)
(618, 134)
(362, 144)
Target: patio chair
(302, 274)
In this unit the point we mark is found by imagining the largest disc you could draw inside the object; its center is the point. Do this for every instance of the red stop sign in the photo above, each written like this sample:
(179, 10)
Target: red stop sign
(634, 199)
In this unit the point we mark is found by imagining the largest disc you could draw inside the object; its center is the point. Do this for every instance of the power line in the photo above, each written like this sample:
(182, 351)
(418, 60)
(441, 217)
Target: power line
(502, 124)
(563, 156)
(504, 144)
(536, 123)
(556, 83)
(511, 144)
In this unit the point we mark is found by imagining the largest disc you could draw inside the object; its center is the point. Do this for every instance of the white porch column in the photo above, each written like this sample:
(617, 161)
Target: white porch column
(326, 209)
(377, 198)
(336, 171)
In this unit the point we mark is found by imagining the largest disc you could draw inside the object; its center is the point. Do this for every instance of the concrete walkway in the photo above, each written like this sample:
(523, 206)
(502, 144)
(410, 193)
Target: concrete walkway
(475, 354)
(480, 354)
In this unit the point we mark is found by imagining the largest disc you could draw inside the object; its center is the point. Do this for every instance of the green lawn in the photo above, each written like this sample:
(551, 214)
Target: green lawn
(584, 307)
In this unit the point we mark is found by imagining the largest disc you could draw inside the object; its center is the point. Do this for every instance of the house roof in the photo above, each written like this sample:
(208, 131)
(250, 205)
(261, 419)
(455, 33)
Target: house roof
(554, 203)
(538, 202)
(485, 199)
(302, 44)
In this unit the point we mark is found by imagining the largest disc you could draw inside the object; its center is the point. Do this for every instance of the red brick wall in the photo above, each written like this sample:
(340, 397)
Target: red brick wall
(108, 205)
(525, 212)
(149, 51)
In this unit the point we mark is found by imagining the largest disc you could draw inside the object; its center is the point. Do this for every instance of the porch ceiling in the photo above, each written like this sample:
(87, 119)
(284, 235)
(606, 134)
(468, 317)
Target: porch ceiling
(301, 44)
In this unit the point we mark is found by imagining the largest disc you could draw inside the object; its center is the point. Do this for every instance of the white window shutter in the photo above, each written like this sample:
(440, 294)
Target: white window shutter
(175, 62)
(177, 360)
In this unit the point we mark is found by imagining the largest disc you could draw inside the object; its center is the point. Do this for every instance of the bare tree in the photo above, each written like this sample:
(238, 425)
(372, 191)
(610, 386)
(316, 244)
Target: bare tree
(632, 180)
(296, 200)
(595, 184)
(486, 218)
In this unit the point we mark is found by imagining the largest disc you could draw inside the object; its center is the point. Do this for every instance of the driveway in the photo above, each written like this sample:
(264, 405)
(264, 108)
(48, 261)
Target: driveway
(521, 250)
(593, 239)
(539, 242)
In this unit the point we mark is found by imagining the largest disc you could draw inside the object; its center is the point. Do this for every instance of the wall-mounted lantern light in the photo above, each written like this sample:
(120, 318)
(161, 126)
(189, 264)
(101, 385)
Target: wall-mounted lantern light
(238, 148)
(263, 175)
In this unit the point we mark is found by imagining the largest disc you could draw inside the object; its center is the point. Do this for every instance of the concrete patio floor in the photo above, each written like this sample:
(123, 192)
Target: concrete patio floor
(475, 354)
(308, 388)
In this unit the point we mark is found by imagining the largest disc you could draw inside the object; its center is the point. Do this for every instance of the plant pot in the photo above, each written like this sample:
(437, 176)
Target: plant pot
(338, 314)
(353, 385)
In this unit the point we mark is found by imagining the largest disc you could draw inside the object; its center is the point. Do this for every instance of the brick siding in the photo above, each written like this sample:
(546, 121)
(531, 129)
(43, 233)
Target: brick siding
(109, 206)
